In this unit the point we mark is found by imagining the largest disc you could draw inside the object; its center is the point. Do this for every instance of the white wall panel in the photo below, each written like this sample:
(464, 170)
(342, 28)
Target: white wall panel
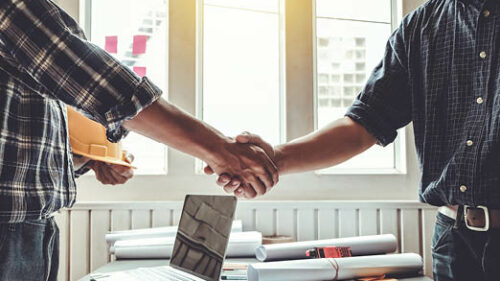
(82, 229)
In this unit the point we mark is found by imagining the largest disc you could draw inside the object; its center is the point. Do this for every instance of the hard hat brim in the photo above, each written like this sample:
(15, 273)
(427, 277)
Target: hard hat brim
(109, 160)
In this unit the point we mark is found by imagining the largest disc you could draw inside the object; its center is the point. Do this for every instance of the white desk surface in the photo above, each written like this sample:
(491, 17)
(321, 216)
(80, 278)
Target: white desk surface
(121, 265)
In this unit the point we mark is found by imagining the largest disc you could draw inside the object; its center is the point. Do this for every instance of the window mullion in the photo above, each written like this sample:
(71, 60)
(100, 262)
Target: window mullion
(182, 71)
(299, 46)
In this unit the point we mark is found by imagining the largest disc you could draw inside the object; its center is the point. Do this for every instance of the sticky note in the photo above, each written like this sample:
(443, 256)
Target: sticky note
(111, 44)
(139, 44)
(140, 71)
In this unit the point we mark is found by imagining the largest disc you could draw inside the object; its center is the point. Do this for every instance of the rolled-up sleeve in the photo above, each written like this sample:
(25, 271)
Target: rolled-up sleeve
(72, 69)
(384, 105)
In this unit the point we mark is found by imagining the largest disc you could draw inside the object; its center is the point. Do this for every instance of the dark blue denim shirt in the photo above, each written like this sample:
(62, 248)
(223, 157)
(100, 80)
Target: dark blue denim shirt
(441, 72)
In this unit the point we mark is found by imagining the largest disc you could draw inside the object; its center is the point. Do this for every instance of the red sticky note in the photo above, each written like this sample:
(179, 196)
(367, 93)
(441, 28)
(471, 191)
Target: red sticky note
(111, 44)
(139, 45)
(140, 71)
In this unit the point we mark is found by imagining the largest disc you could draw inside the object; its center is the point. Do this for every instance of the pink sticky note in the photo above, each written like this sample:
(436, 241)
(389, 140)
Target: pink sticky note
(111, 44)
(139, 45)
(140, 71)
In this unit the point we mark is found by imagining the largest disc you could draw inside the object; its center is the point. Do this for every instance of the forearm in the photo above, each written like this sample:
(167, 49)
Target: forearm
(333, 144)
(168, 124)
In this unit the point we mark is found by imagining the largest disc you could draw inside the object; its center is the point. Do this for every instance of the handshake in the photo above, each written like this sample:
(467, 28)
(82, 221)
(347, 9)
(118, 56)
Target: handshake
(247, 166)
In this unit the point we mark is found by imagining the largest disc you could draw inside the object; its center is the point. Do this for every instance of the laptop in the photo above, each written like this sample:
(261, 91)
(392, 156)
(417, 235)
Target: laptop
(200, 245)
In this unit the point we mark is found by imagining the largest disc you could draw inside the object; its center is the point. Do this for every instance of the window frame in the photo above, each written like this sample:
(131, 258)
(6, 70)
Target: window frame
(400, 151)
(85, 21)
(199, 70)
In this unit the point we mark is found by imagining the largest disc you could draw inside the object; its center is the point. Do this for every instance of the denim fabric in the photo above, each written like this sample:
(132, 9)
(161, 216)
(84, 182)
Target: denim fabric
(29, 251)
(462, 254)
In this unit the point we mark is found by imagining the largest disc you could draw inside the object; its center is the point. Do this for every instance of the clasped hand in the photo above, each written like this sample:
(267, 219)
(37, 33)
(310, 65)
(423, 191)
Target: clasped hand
(248, 169)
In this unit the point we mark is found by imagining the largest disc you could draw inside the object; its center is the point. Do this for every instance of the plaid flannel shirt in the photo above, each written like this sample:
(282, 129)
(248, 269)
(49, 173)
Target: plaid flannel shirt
(46, 64)
(441, 71)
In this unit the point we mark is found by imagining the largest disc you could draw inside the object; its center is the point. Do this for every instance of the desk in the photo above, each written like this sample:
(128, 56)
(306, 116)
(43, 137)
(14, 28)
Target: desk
(121, 265)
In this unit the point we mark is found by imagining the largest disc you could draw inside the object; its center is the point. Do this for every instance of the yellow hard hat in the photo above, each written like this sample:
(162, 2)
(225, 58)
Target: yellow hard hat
(88, 138)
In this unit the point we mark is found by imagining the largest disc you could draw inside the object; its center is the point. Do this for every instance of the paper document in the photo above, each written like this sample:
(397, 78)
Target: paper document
(169, 231)
(241, 244)
(361, 245)
(326, 269)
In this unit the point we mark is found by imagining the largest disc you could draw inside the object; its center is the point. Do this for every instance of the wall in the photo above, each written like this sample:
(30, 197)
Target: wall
(84, 249)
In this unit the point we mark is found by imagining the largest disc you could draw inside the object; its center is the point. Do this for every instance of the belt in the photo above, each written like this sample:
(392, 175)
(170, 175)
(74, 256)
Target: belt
(478, 218)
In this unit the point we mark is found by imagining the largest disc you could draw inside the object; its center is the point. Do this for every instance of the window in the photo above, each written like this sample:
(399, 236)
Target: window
(135, 32)
(350, 43)
(241, 67)
(228, 65)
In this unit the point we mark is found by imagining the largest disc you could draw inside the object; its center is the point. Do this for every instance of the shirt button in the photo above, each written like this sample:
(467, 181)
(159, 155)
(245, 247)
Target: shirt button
(482, 54)
(486, 13)
(463, 188)
(469, 143)
(479, 100)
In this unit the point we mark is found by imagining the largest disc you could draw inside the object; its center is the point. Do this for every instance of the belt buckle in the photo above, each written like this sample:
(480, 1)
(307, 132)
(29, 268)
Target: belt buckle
(486, 226)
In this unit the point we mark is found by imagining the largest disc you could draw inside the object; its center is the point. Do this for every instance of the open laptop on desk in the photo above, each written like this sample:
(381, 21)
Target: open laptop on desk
(200, 245)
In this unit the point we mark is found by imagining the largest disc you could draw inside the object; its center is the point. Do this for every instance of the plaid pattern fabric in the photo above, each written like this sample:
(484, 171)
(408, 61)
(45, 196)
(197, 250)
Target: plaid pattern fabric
(441, 72)
(46, 63)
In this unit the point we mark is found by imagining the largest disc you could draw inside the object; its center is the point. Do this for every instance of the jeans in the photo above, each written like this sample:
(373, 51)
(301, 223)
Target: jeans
(462, 254)
(29, 251)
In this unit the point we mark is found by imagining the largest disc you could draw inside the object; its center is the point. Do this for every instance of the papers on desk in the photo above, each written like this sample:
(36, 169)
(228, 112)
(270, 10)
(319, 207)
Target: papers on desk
(362, 245)
(241, 244)
(157, 232)
(325, 269)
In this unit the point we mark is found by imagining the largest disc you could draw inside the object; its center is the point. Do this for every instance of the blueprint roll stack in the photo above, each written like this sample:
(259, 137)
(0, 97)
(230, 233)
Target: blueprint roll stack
(335, 269)
(241, 244)
(360, 246)
(156, 232)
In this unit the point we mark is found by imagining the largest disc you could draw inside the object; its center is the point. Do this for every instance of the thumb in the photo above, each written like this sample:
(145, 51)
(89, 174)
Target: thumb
(208, 170)
(244, 137)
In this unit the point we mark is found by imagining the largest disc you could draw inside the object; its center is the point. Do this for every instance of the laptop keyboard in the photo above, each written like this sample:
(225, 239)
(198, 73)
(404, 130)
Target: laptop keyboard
(158, 274)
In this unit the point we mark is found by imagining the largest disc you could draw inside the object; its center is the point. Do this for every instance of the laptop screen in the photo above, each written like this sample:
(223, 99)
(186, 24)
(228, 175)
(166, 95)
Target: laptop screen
(203, 235)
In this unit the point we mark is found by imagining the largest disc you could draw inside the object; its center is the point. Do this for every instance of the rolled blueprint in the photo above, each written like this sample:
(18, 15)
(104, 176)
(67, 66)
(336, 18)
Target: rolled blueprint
(157, 232)
(342, 268)
(241, 244)
(361, 245)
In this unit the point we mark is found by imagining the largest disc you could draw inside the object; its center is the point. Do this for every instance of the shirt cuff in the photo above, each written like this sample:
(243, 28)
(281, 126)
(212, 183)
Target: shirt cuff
(372, 121)
(145, 94)
(84, 169)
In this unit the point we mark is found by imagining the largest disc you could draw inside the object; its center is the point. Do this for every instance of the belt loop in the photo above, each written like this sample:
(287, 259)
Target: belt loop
(459, 220)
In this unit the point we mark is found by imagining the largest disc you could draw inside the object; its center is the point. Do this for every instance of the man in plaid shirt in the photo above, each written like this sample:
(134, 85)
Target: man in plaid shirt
(46, 64)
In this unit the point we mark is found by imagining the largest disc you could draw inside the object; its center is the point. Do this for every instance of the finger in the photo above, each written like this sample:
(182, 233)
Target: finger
(240, 193)
(272, 171)
(208, 170)
(247, 137)
(223, 179)
(244, 137)
(111, 175)
(122, 170)
(231, 186)
(264, 170)
(95, 167)
(235, 183)
(256, 184)
(119, 179)
(129, 157)
(105, 179)
(249, 192)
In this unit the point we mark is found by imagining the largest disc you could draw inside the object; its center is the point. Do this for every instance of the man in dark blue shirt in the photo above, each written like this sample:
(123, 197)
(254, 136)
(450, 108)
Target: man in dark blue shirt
(441, 72)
